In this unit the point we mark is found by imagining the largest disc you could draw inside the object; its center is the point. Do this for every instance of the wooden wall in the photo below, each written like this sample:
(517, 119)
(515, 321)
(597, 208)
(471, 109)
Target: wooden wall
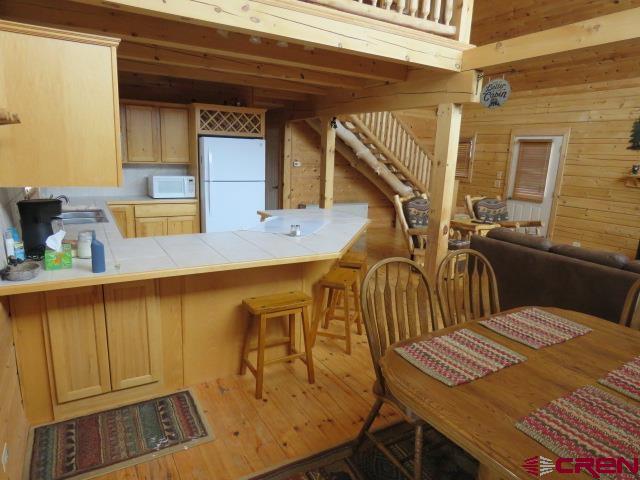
(349, 185)
(13, 422)
(595, 208)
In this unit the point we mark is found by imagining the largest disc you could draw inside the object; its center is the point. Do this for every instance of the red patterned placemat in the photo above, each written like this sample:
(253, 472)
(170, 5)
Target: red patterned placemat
(459, 357)
(587, 423)
(625, 379)
(535, 328)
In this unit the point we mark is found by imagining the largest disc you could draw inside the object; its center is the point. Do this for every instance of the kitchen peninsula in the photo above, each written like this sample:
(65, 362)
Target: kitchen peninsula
(166, 314)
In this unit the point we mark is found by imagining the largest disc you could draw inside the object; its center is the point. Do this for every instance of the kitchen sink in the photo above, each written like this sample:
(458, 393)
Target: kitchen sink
(71, 217)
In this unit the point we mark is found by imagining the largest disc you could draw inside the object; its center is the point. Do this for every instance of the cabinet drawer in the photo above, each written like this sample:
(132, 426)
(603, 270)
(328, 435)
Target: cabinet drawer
(165, 210)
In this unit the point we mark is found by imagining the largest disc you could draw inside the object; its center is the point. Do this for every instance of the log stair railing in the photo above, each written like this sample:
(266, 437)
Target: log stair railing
(394, 146)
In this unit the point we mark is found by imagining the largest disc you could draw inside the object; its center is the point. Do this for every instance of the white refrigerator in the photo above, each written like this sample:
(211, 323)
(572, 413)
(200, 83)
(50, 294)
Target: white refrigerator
(232, 178)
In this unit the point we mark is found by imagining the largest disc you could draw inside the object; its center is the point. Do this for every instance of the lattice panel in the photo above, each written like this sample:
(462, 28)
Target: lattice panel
(235, 123)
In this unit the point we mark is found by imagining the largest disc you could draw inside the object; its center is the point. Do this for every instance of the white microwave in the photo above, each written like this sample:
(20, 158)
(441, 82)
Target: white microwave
(181, 186)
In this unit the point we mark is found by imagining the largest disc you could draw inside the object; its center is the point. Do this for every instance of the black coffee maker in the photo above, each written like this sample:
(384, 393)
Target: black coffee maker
(35, 219)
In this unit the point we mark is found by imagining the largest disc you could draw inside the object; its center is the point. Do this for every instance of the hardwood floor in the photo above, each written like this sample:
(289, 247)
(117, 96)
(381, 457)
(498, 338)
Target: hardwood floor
(293, 420)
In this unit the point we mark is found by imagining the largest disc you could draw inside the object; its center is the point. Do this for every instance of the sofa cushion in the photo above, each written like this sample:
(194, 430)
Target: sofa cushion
(511, 236)
(633, 266)
(609, 259)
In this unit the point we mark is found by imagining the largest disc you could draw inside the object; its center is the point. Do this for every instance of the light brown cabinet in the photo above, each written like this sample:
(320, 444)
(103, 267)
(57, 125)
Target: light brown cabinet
(125, 219)
(133, 333)
(77, 343)
(156, 219)
(99, 343)
(155, 134)
(64, 88)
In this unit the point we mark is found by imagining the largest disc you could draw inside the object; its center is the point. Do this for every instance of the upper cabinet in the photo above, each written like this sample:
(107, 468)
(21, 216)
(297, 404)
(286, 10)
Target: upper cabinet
(155, 134)
(63, 86)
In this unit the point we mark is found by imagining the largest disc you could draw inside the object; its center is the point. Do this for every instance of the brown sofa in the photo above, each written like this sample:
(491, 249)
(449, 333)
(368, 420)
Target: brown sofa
(533, 271)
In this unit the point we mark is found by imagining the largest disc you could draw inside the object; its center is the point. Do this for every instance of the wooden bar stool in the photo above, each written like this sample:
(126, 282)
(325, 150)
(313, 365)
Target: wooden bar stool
(357, 261)
(289, 304)
(338, 284)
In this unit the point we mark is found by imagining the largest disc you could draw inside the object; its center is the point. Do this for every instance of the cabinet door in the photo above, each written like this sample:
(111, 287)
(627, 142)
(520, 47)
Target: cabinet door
(134, 333)
(151, 227)
(181, 225)
(124, 217)
(65, 93)
(143, 134)
(77, 343)
(174, 131)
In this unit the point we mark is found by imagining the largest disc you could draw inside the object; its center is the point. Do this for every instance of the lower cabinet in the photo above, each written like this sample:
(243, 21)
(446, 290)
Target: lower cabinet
(102, 339)
(151, 227)
(125, 219)
(156, 219)
(182, 225)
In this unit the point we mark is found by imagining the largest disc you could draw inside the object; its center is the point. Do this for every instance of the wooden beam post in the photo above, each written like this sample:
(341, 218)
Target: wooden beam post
(443, 176)
(327, 161)
(287, 159)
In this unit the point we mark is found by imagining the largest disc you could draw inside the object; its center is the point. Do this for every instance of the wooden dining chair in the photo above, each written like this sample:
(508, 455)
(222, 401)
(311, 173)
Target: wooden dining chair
(467, 287)
(631, 311)
(397, 303)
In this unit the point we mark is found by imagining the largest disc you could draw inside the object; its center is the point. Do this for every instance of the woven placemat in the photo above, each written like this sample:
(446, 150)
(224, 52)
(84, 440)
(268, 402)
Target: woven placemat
(625, 379)
(588, 422)
(459, 357)
(535, 328)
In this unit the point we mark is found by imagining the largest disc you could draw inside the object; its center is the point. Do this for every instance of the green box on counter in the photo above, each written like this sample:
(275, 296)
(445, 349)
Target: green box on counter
(58, 260)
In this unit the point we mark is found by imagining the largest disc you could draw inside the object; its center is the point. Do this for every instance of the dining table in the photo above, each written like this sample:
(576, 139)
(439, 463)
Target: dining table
(481, 416)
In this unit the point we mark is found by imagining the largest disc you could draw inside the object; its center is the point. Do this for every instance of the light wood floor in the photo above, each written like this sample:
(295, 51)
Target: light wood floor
(293, 420)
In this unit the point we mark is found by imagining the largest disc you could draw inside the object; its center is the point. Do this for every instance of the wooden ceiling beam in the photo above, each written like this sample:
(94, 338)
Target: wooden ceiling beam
(190, 37)
(615, 27)
(216, 77)
(424, 89)
(306, 24)
(183, 58)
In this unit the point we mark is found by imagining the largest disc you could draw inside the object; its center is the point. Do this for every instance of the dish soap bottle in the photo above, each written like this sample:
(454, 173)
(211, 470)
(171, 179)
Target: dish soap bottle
(97, 256)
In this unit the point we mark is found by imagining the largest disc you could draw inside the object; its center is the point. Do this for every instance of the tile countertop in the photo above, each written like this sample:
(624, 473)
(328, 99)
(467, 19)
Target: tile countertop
(129, 259)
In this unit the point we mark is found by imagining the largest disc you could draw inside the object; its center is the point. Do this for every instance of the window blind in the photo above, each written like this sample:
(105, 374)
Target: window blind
(531, 170)
(465, 154)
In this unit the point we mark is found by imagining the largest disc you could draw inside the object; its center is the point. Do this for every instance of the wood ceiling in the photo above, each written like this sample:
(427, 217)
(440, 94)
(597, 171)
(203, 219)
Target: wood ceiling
(165, 60)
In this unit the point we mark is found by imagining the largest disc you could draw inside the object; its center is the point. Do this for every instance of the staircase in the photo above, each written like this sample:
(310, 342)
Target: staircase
(394, 146)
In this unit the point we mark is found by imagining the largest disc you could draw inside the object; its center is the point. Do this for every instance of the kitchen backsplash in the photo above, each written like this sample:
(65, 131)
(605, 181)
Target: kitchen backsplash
(135, 183)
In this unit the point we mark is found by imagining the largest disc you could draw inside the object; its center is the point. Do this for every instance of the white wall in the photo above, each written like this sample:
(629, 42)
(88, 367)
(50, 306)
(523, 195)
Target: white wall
(135, 183)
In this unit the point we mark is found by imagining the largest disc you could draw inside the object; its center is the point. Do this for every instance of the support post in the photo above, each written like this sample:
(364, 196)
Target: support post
(287, 159)
(327, 161)
(443, 176)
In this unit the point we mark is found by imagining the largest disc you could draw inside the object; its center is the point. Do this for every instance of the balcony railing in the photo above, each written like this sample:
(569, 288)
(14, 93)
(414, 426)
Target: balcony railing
(434, 16)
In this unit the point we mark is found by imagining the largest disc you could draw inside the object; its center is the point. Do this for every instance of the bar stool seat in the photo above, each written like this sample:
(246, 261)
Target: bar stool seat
(278, 305)
(339, 284)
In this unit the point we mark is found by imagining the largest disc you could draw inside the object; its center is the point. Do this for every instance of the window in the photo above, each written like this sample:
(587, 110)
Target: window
(531, 170)
(464, 165)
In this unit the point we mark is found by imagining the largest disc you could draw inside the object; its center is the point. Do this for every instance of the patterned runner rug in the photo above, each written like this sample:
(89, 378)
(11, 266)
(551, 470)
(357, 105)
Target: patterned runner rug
(95, 444)
(625, 379)
(535, 328)
(441, 460)
(459, 357)
(588, 422)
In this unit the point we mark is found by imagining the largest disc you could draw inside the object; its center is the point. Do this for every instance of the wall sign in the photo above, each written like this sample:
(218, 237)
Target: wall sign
(495, 93)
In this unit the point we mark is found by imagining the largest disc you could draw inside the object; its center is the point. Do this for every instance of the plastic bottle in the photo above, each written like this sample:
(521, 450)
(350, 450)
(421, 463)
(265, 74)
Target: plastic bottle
(9, 244)
(97, 256)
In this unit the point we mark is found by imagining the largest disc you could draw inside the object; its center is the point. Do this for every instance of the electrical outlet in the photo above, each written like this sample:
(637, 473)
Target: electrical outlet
(297, 163)
(576, 244)
(5, 457)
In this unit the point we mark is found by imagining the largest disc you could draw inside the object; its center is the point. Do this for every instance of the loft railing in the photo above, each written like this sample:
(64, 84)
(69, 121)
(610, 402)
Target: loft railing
(434, 16)
(391, 132)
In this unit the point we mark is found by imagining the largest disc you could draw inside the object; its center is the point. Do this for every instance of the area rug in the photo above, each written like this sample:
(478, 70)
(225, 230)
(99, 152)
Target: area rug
(95, 444)
(625, 379)
(459, 357)
(441, 460)
(535, 328)
(588, 423)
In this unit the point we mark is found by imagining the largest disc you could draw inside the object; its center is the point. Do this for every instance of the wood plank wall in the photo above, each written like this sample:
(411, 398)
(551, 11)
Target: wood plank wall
(595, 208)
(349, 185)
(13, 422)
